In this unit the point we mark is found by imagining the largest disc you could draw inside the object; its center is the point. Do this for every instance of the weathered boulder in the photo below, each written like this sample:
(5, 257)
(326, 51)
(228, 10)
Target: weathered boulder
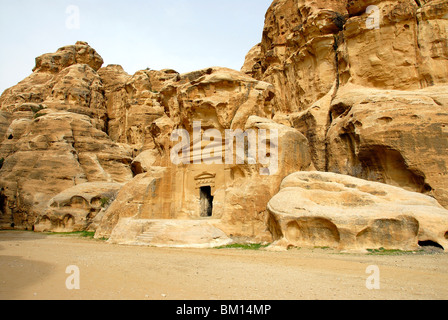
(331, 210)
(144, 197)
(77, 208)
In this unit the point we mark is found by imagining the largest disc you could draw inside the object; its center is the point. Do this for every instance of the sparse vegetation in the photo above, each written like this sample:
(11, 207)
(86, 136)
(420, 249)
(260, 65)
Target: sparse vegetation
(36, 111)
(107, 199)
(77, 234)
(391, 252)
(81, 234)
(105, 202)
(244, 246)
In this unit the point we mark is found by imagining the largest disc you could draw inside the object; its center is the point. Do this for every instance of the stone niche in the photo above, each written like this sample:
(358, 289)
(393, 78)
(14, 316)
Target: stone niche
(205, 182)
(197, 181)
(196, 187)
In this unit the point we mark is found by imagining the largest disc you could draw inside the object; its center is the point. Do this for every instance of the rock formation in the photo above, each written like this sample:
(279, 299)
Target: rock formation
(365, 82)
(55, 135)
(78, 208)
(220, 99)
(332, 134)
(331, 210)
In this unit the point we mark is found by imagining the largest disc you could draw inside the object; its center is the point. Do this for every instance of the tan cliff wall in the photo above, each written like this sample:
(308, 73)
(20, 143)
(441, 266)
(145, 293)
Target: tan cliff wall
(355, 90)
(371, 99)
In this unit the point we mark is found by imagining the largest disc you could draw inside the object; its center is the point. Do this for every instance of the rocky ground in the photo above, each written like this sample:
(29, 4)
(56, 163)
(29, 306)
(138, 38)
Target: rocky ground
(33, 266)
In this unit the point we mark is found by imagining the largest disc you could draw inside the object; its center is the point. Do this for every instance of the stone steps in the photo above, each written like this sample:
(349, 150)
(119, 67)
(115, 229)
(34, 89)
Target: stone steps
(156, 228)
(200, 233)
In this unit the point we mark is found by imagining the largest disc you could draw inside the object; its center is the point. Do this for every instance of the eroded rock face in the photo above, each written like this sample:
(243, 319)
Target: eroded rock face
(331, 210)
(308, 46)
(395, 137)
(80, 53)
(352, 87)
(298, 51)
(72, 85)
(220, 98)
(40, 163)
(388, 56)
(54, 125)
(133, 103)
(77, 208)
(409, 41)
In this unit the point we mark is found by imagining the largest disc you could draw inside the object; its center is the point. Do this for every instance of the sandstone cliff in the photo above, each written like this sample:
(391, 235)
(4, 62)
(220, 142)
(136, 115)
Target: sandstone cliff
(55, 135)
(366, 83)
(356, 90)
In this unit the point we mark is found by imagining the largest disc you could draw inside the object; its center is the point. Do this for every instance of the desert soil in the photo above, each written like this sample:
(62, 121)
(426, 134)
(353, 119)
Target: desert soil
(33, 266)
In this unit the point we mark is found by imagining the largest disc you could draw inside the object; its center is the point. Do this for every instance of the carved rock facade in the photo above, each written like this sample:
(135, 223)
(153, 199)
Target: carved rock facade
(352, 89)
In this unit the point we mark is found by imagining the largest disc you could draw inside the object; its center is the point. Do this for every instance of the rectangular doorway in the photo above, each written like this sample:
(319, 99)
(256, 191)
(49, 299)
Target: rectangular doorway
(206, 201)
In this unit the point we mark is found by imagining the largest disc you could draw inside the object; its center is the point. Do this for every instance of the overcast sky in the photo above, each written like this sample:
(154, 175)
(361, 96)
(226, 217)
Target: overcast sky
(185, 35)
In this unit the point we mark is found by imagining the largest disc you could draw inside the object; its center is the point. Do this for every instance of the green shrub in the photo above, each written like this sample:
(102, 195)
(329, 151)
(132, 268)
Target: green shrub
(82, 234)
(391, 252)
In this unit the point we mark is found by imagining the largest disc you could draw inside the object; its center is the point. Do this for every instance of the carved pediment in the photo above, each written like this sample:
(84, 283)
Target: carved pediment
(205, 176)
(205, 179)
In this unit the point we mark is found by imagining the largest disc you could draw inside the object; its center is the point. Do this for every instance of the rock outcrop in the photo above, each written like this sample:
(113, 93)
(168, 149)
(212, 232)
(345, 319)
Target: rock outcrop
(336, 92)
(320, 209)
(395, 137)
(133, 103)
(365, 82)
(55, 135)
(78, 208)
(219, 99)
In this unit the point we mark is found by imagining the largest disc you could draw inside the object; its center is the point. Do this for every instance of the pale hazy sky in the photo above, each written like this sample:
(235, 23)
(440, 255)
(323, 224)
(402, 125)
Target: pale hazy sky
(185, 35)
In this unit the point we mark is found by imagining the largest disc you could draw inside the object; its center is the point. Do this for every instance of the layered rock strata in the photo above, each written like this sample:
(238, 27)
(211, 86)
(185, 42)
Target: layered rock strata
(365, 82)
(353, 89)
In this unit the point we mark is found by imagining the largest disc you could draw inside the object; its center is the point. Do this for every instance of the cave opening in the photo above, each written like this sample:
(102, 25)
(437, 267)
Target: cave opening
(430, 243)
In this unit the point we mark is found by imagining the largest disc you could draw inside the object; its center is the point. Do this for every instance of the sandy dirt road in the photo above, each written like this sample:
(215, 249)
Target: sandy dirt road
(33, 266)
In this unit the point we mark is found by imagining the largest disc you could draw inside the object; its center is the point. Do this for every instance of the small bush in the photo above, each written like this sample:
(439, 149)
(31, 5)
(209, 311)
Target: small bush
(105, 202)
(37, 109)
(38, 115)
